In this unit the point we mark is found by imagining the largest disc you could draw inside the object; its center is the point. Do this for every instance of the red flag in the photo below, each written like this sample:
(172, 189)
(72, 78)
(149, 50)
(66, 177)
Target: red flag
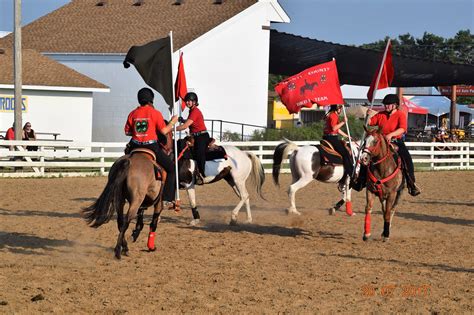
(180, 85)
(384, 72)
(318, 84)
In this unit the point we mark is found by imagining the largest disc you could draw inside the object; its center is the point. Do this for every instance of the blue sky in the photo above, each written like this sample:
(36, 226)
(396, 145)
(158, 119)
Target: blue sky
(351, 22)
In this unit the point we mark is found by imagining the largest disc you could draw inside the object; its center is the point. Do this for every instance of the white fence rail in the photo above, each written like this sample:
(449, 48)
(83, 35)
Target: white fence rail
(64, 158)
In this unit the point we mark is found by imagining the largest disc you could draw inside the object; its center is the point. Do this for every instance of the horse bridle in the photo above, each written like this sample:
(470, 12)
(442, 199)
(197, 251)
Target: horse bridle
(370, 150)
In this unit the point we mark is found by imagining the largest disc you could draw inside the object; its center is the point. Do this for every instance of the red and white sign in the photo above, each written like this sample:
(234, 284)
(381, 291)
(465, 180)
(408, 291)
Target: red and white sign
(461, 90)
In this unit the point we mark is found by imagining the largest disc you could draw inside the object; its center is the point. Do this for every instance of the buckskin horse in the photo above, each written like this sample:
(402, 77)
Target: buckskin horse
(132, 178)
(384, 179)
(307, 163)
(235, 169)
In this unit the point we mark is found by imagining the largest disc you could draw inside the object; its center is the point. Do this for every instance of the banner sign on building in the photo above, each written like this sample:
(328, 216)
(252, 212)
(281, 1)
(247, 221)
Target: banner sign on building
(7, 104)
(461, 90)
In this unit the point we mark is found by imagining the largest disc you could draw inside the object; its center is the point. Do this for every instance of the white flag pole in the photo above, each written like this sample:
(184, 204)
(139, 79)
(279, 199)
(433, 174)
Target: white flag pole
(180, 111)
(366, 121)
(174, 127)
(347, 126)
(378, 77)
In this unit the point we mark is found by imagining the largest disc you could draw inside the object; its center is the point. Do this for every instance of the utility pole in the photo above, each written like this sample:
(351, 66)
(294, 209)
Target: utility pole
(452, 109)
(17, 70)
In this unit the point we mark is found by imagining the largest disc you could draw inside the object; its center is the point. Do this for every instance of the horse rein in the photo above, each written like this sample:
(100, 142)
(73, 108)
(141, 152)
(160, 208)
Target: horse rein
(377, 183)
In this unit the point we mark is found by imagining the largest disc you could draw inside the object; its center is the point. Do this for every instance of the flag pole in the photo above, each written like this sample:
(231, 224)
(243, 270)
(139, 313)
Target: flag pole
(180, 111)
(378, 78)
(174, 128)
(366, 120)
(347, 126)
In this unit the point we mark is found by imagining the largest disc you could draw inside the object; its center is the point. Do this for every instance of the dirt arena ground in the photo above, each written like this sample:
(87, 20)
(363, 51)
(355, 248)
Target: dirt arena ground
(50, 261)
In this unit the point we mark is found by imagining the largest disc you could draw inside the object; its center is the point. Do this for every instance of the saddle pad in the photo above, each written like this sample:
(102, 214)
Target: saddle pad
(329, 156)
(215, 152)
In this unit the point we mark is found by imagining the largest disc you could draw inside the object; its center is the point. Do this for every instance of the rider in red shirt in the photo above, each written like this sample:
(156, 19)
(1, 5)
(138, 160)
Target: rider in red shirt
(331, 133)
(143, 124)
(197, 128)
(393, 124)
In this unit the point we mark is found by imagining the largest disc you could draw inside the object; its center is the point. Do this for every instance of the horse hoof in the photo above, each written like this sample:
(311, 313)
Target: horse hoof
(248, 221)
(194, 222)
(366, 237)
(118, 253)
(292, 211)
(135, 236)
(385, 239)
(233, 222)
(152, 249)
(332, 211)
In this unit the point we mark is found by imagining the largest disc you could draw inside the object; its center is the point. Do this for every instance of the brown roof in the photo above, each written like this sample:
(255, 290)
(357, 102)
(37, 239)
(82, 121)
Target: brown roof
(82, 26)
(43, 71)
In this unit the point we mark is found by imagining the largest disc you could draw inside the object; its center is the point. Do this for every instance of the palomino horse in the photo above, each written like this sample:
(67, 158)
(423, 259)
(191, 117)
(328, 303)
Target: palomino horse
(305, 165)
(235, 170)
(132, 178)
(384, 179)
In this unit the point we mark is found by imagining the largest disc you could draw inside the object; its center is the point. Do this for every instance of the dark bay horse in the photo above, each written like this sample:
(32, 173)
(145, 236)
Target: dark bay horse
(131, 178)
(384, 179)
(305, 165)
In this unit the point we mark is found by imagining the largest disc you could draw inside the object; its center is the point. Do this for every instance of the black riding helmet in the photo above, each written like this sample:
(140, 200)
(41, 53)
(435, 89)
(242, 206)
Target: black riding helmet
(145, 96)
(391, 99)
(191, 96)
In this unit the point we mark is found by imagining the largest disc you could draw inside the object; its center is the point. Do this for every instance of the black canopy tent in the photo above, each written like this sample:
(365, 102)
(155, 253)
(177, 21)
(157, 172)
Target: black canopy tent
(291, 54)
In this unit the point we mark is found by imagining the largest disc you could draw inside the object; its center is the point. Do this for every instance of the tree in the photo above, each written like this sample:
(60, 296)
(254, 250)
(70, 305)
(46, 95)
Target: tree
(458, 49)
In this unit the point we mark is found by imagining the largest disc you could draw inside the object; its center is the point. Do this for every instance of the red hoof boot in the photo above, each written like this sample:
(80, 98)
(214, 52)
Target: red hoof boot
(151, 242)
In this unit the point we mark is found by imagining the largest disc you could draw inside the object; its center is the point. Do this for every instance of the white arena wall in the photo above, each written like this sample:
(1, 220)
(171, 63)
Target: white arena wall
(68, 113)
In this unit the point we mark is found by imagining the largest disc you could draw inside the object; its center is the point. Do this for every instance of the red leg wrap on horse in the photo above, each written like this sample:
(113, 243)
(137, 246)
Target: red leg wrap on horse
(367, 224)
(151, 241)
(349, 208)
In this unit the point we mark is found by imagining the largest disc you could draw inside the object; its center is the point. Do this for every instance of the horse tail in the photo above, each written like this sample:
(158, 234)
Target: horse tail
(281, 153)
(258, 173)
(111, 198)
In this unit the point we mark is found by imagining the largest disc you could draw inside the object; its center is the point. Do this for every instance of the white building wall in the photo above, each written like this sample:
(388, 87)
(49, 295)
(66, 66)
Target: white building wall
(227, 67)
(67, 113)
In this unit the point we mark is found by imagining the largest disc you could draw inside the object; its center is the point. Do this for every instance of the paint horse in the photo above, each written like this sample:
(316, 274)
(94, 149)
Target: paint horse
(307, 163)
(385, 179)
(132, 178)
(235, 167)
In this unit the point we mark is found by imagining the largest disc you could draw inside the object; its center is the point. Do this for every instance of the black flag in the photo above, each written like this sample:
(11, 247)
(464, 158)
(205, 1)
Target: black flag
(153, 63)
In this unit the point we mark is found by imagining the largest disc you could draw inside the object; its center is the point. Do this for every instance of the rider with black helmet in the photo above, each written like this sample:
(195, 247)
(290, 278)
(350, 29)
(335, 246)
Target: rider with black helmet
(393, 124)
(143, 124)
(331, 132)
(197, 128)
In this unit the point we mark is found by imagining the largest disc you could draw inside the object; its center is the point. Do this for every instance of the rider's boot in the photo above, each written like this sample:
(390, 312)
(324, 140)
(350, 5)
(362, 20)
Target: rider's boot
(412, 187)
(359, 182)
